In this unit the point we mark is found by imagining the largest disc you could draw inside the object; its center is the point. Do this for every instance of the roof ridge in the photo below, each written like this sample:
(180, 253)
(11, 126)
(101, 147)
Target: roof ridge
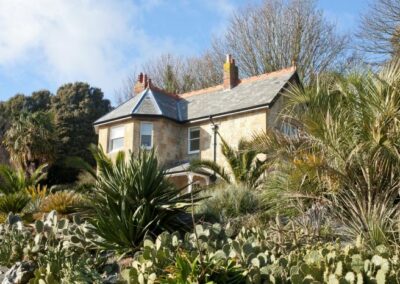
(267, 75)
(201, 91)
(164, 92)
(241, 81)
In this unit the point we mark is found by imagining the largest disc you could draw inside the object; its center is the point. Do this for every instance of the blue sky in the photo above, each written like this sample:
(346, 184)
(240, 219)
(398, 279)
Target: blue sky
(45, 43)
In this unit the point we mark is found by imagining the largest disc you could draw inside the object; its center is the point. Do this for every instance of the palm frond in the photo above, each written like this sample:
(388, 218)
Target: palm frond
(197, 165)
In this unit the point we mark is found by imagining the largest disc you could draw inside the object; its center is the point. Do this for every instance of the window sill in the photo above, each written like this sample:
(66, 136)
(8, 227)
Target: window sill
(146, 148)
(115, 151)
(193, 152)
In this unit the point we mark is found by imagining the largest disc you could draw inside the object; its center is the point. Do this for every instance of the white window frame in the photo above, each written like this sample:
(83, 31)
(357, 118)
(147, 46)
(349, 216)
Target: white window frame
(110, 150)
(152, 135)
(190, 129)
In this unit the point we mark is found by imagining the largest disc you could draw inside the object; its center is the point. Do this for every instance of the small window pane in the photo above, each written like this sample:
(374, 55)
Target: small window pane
(146, 135)
(194, 140)
(116, 140)
(195, 145)
(117, 132)
(195, 133)
(146, 128)
(117, 143)
(146, 141)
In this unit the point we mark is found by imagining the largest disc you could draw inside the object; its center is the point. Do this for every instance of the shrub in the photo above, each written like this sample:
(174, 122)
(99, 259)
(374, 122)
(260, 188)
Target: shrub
(15, 202)
(63, 202)
(229, 201)
(13, 185)
(132, 199)
(12, 181)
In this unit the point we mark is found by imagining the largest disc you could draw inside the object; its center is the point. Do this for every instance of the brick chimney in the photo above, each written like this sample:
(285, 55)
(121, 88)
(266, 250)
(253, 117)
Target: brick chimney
(231, 73)
(141, 84)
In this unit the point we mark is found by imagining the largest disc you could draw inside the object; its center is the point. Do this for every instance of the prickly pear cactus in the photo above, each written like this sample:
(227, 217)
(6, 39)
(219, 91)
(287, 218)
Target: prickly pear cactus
(209, 254)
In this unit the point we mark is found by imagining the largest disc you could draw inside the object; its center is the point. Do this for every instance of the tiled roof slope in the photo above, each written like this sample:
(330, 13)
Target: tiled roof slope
(251, 92)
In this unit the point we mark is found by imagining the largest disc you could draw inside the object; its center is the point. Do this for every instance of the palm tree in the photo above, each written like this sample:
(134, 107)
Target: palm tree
(30, 141)
(347, 151)
(244, 166)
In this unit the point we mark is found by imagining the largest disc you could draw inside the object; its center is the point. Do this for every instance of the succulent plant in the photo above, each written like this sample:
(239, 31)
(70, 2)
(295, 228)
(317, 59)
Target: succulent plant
(208, 254)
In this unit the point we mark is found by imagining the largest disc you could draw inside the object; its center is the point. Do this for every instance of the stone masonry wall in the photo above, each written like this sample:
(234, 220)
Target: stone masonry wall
(171, 139)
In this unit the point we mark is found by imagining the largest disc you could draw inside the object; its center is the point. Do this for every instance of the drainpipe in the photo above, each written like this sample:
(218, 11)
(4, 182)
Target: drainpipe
(213, 178)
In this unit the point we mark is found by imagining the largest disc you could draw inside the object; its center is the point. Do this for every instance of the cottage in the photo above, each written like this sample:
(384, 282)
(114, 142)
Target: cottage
(183, 126)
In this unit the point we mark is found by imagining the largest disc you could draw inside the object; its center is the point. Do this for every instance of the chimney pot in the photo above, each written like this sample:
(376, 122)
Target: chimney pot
(141, 84)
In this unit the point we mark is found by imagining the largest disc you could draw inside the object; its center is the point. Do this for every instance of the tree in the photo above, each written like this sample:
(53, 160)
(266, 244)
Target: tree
(176, 74)
(38, 101)
(244, 166)
(347, 152)
(278, 34)
(75, 106)
(169, 80)
(30, 141)
(379, 31)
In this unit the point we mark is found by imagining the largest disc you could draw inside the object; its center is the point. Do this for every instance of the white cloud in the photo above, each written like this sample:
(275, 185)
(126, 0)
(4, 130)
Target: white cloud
(68, 40)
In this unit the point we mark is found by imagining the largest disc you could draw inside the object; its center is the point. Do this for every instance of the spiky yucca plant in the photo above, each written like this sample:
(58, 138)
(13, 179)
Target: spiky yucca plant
(133, 199)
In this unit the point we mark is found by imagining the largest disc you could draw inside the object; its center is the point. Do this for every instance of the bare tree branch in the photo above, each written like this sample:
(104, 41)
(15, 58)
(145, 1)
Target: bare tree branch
(379, 31)
(278, 34)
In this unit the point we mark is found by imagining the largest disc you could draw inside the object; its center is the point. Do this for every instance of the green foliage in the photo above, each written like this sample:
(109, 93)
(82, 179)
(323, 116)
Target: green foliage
(30, 140)
(229, 201)
(76, 107)
(132, 199)
(209, 255)
(13, 185)
(14, 202)
(12, 240)
(13, 181)
(244, 166)
(63, 251)
(63, 202)
(346, 155)
(169, 80)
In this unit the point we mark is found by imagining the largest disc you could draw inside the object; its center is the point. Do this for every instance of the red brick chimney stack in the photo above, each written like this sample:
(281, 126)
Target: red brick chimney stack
(231, 73)
(141, 84)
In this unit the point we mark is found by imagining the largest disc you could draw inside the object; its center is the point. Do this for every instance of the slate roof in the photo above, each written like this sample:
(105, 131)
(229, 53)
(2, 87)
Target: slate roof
(249, 93)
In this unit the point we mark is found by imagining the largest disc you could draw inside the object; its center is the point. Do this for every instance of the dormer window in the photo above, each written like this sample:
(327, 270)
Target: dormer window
(194, 140)
(146, 135)
(116, 141)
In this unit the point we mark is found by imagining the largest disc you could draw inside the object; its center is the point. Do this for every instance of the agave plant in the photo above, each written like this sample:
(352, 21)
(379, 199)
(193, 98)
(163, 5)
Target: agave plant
(133, 199)
(244, 166)
(347, 151)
